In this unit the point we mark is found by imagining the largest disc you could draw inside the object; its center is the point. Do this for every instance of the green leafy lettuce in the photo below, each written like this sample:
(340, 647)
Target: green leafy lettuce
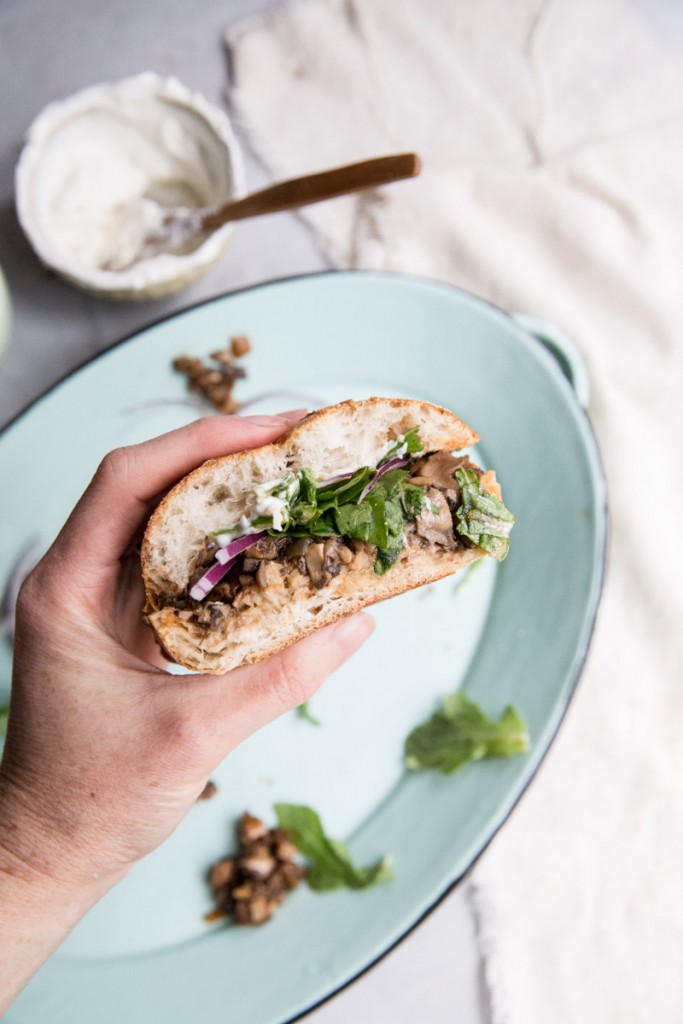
(380, 517)
(375, 508)
(330, 864)
(482, 518)
(343, 508)
(462, 732)
(4, 715)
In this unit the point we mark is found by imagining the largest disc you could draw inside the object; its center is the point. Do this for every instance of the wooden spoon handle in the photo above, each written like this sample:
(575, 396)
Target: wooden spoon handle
(313, 188)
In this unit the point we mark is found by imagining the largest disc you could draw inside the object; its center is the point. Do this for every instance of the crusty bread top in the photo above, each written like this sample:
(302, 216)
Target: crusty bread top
(331, 441)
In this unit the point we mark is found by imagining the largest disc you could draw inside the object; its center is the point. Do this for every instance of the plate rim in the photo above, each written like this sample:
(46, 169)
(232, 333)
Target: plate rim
(602, 509)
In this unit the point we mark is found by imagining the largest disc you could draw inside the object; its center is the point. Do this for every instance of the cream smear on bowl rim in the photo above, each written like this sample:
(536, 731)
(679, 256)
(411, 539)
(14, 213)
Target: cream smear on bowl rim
(99, 169)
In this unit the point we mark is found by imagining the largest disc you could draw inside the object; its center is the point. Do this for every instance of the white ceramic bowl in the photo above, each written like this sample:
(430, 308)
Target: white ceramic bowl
(115, 142)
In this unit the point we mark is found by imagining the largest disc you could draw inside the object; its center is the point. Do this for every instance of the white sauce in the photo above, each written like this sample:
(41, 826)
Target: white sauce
(398, 453)
(101, 168)
(269, 504)
(277, 508)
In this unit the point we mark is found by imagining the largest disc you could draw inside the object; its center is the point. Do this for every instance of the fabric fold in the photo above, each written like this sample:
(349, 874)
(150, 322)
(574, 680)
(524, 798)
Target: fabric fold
(551, 135)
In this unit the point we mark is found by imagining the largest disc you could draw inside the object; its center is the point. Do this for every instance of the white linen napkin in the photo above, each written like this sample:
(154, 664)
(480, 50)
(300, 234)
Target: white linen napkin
(552, 141)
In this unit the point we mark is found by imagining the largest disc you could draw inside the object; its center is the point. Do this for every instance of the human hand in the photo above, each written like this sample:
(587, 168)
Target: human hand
(106, 750)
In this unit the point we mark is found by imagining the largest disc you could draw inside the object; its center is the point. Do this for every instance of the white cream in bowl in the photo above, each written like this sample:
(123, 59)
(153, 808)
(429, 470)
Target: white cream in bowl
(99, 169)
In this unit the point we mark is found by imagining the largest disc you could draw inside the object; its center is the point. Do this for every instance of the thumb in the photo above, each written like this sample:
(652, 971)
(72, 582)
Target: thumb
(232, 707)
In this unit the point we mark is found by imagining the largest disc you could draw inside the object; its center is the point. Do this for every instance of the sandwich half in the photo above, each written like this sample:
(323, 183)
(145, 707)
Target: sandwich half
(358, 502)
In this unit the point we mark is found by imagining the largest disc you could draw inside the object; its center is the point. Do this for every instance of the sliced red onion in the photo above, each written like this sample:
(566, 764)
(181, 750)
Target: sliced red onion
(225, 559)
(236, 547)
(336, 479)
(210, 579)
(398, 463)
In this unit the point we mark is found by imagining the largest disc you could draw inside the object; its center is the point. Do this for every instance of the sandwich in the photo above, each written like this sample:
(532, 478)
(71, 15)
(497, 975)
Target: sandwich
(357, 503)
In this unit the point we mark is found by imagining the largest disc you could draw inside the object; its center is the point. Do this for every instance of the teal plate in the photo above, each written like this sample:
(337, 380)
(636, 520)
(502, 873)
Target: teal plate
(512, 633)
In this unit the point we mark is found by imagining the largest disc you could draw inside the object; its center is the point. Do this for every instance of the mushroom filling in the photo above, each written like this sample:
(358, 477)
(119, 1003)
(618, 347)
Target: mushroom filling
(433, 502)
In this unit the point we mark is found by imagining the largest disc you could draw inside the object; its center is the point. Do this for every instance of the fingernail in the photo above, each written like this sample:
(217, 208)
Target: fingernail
(349, 634)
(268, 421)
(294, 415)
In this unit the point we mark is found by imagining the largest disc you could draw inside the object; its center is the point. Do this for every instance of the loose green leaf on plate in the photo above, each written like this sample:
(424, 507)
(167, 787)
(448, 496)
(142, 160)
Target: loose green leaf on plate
(462, 732)
(304, 711)
(330, 864)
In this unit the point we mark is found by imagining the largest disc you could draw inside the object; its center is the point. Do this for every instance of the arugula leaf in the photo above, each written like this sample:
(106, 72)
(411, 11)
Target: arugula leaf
(331, 866)
(388, 484)
(305, 505)
(333, 495)
(364, 521)
(395, 522)
(413, 499)
(304, 711)
(381, 516)
(408, 444)
(482, 518)
(402, 502)
(412, 441)
(462, 732)
(386, 557)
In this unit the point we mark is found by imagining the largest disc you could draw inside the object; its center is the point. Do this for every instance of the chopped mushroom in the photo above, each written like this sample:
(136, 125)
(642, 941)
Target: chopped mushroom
(315, 565)
(268, 573)
(223, 872)
(298, 547)
(283, 847)
(333, 558)
(211, 614)
(250, 828)
(267, 547)
(239, 345)
(252, 884)
(214, 383)
(258, 866)
(435, 522)
(438, 470)
(256, 909)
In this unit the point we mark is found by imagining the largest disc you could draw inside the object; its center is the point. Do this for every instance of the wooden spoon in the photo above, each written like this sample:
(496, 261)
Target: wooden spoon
(178, 227)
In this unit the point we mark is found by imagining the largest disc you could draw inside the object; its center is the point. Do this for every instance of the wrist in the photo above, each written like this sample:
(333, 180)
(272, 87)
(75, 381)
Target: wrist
(45, 889)
(38, 856)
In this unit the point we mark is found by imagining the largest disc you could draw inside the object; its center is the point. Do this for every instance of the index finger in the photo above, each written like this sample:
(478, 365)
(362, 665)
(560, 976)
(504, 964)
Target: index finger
(116, 502)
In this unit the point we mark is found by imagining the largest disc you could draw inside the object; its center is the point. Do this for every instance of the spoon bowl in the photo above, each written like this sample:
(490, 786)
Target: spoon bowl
(146, 229)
